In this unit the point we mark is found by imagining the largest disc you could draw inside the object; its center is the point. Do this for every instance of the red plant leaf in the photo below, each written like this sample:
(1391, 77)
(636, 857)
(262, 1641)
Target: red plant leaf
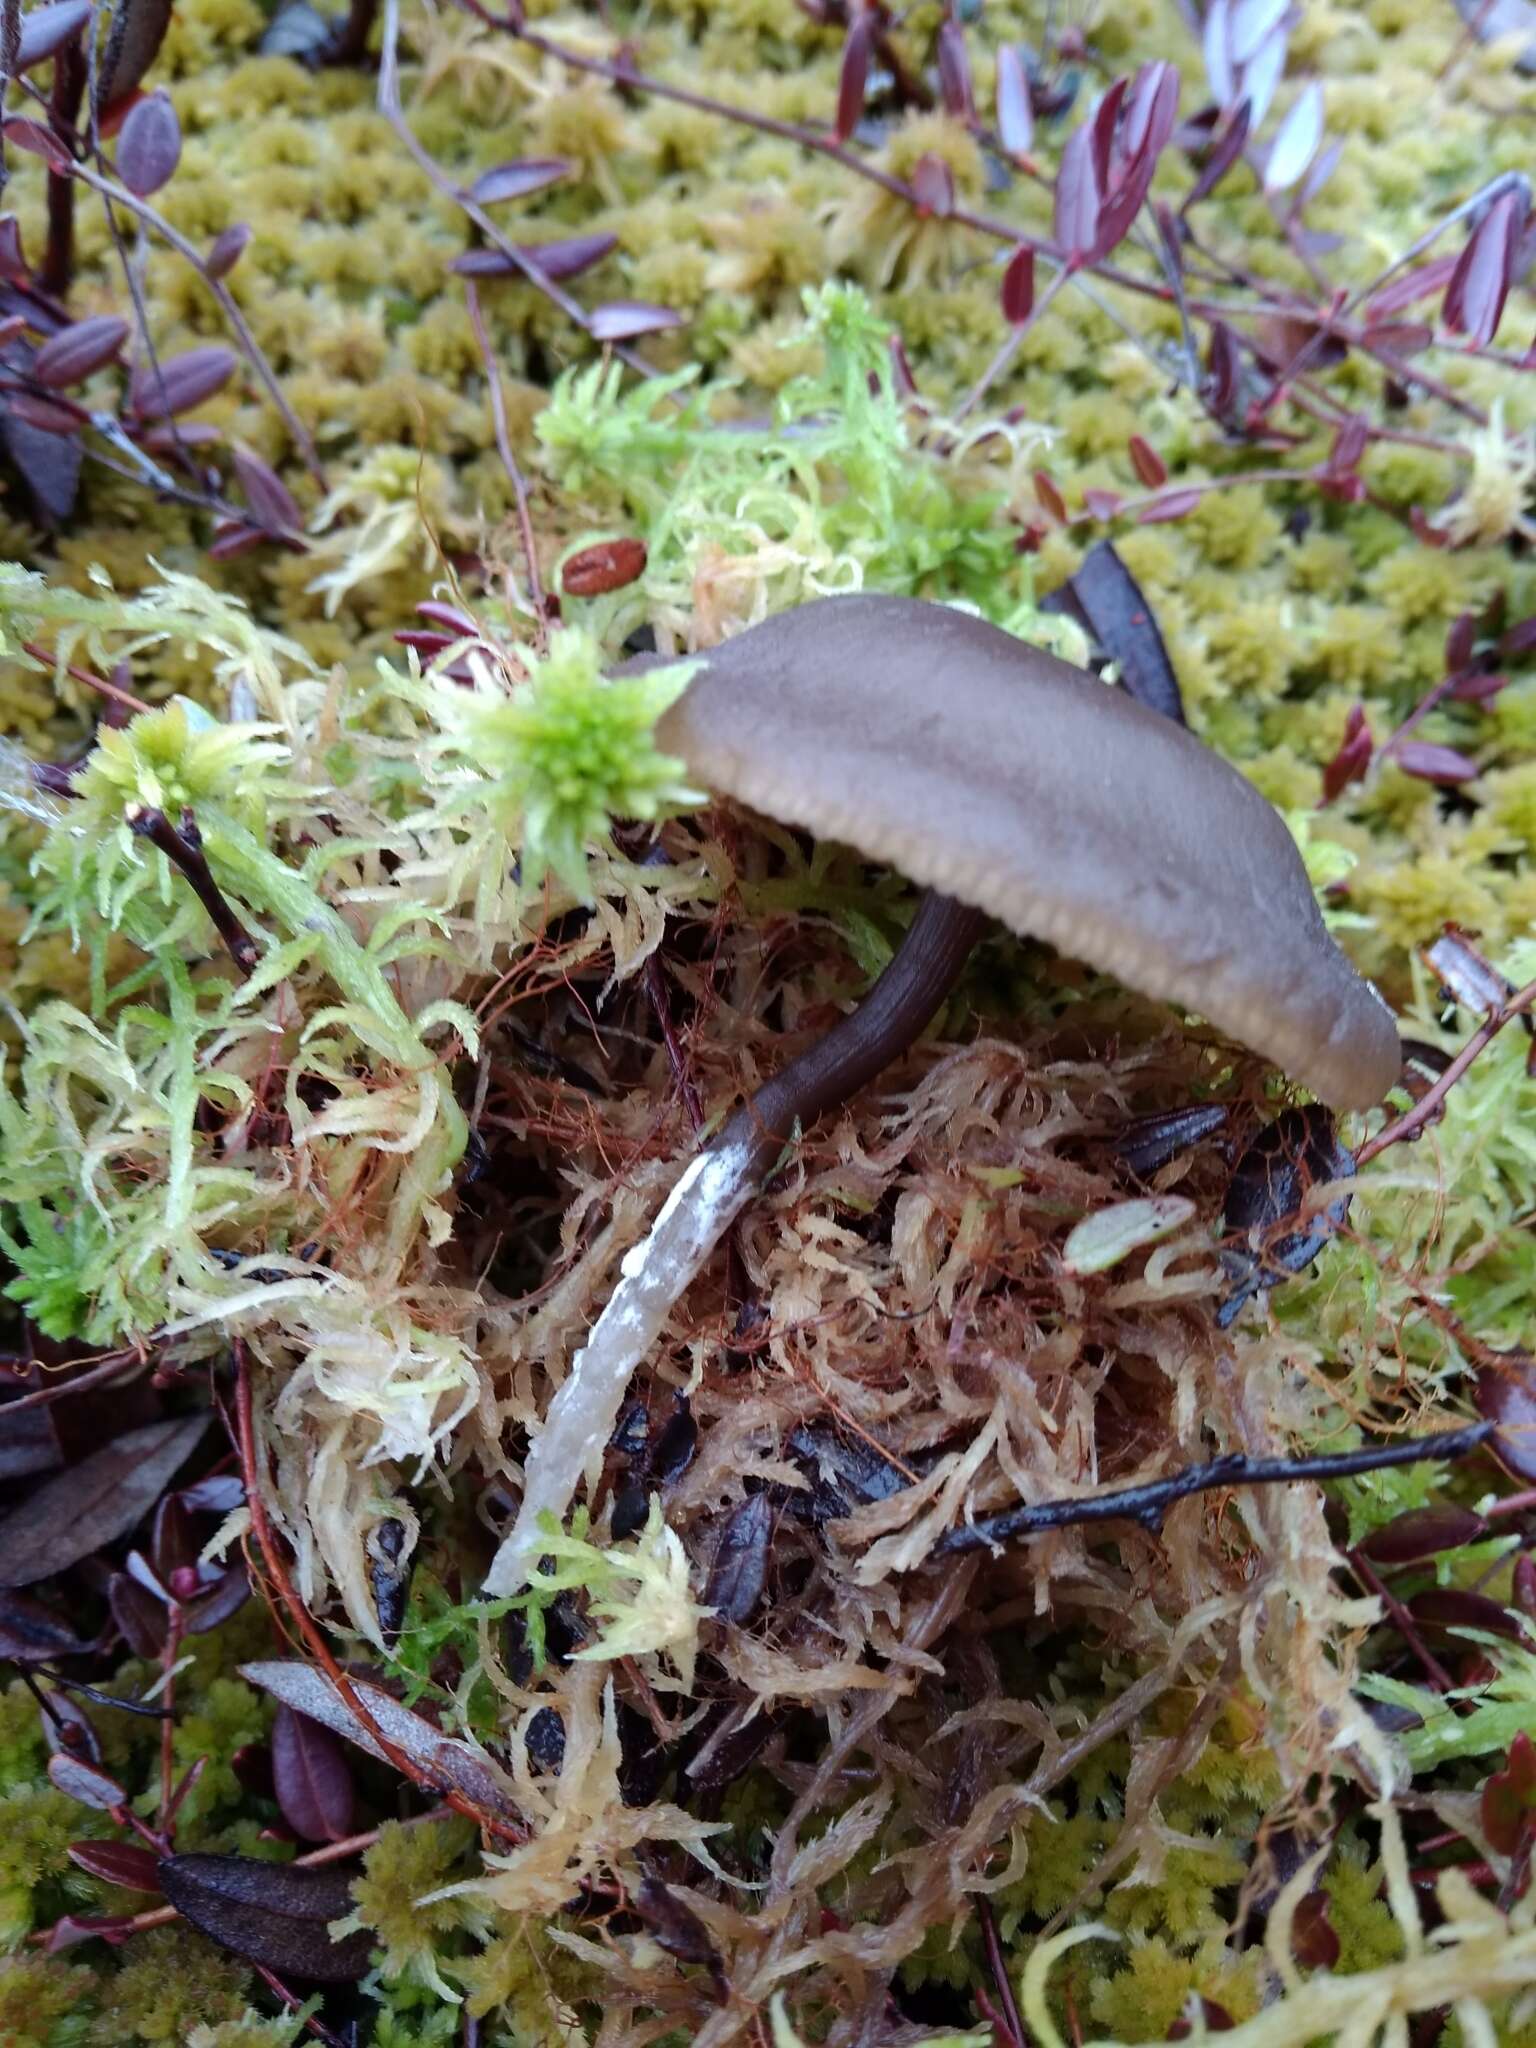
(77, 352)
(1049, 497)
(1019, 286)
(227, 249)
(149, 144)
(955, 72)
(933, 186)
(135, 1868)
(606, 565)
(47, 415)
(1172, 505)
(140, 1617)
(269, 498)
(37, 140)
(554, 260)
(1349, 444)
(1432, 763)
(1506, 1395)
(13, 262)
(853, 75)
(1224, 368)
(1102, 504)
(1520, 639)
(226, 1596)
(235, 537)
(1314, 1942)
(518, 179)
(1102, 124)
(1421, 1533)
(1474, 298)
(46, 30)
(1015, 114)
(1147, 463)
(113, 1928)
(1353, 757)
(181, 382)
(1411, 286)
(1253, 22)
(272, 1914)
(81, 1781)
(1076, 220)
(311, 1777)
(1224, 154)
(94, 1502)
(624, 319)
(1454, 1607)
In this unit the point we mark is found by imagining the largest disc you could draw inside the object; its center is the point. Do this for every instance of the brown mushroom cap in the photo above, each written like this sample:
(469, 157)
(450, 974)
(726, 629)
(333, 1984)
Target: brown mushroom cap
(989, 770)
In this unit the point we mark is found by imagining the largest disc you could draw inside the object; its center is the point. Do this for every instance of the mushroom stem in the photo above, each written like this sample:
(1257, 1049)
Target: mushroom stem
(713, 1191)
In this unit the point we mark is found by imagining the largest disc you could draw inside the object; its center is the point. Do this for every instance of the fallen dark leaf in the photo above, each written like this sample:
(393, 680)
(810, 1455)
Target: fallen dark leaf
(519, 179)
(82, 1781)
(740, 1568)
(149, 144)
(389, 1579)
(677, 1928)
(846, 1472)
(31, 1633)
(95, 1502)
(79, 350)
(1107, 600)
(1421, 1533)
(1298, 1151)
(272, 1914)
(1151, 1141)
(446, 1762)
(311, 1777)
(605, 565)
(135, 1868)
(737, 1736)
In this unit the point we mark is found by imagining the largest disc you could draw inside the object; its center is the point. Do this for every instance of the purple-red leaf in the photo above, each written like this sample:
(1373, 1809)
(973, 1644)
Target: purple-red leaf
(1262, 73)
(135, 1868)
(1353, 757)
(212, 1607)
(566, 258)
(1349, 445)
(37, 140)
(272, 1914)
(1432, 763)
(1509, 1797)
(235, 537)
(47, 415)
(624, 319)
(1076, 220)
(46, 30)
(1421, 1533)
(854, 73)
(180, 382)
(955, 72)
(933, 185)
(1224, 367)
(31, 1633)
(149, 144)
(1474, 298)
(140, 1617)
(1113, 610)
(1410, 287)
(1147, 463)
(518, 179)
(219, 1494)
(1049, 497)
(1456, 1607)
(1506, 1395)
(13, 262)
(1253, 22)
(77, 352)
(227, 250)
(73, 1928)
(173, 1541)
(311, 1778)
(1314, 1940)
(1019, 286)
(1015, 115)
(1224, 154)
(94, 1502)
(606, 565)
(81, 1781)
(1171, 505)
(270, 501)
(740, 1568)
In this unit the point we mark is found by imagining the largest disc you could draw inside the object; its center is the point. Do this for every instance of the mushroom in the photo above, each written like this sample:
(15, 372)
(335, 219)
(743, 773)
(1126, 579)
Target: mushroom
(1010, 784)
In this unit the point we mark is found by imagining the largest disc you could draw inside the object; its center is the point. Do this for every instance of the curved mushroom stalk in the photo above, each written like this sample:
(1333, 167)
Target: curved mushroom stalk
(713, 1191)
(1015, 784)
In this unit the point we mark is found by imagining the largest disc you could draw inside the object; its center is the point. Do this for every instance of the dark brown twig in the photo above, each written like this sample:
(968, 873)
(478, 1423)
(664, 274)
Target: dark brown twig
(183, 849)
(1148, 1504)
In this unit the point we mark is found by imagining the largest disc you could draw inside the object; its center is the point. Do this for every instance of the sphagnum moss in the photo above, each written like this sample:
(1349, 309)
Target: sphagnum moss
(345, 286)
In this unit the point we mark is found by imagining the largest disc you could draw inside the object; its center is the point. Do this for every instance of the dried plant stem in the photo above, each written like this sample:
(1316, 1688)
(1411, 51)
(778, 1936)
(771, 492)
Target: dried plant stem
(509, 462)
(1403, 1622)
(1010, 347)
(1428, 1106)
(184, 850)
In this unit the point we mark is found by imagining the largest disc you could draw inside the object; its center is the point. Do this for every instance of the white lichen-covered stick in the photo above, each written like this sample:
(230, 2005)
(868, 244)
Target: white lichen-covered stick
(1004, 780)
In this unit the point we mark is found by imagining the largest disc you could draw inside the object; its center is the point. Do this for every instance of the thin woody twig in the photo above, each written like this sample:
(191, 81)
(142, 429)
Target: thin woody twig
(1428, 1106)
(1148, 1504)
(184, 850)
(509, 460)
